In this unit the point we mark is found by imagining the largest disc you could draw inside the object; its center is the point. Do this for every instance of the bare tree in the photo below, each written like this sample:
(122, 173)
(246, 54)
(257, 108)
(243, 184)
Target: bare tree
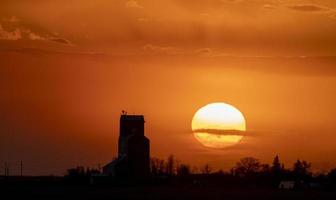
(206, 169)
(157, 166)
(194, 170)
(154, 166)
(170, 165)
(301, 169)
(183, 170)
(247, 166)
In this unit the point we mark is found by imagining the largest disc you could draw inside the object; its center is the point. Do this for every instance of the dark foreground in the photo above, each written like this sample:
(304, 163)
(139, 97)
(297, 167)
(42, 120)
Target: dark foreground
(158, 192)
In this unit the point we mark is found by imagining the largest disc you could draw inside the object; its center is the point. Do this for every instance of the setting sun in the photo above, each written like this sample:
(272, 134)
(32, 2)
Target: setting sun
(218, 125)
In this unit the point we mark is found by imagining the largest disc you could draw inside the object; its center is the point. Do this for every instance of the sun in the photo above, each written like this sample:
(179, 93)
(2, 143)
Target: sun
(218, 125)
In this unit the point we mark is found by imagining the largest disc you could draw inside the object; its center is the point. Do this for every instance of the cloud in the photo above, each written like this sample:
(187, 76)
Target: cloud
(269, 6)
(168, 50)
(231, 1)
(309, 8)
(206, 52)
(11, 19)
(220, 132)
(42, 51)
(23, 33)
(133, 4)
(34, 36)
(10, 35)
(332, 15)
(60, 40)
(249, 133)
(146, 19)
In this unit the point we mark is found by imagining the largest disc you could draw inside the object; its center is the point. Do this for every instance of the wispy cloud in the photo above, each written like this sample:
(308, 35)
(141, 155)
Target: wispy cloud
(11, 19)
(249, 133)
(10, 35)
(146, 19)
(309, 8)
(133, 4)
(59, 40)
(269, 6)
(155, 49)
(231, 1)
(24, 33)
(39, 51)
(34, 36)
(220, 132)
(205, 52)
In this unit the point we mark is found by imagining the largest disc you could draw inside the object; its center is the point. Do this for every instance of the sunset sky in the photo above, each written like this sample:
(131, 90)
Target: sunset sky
(69, 67)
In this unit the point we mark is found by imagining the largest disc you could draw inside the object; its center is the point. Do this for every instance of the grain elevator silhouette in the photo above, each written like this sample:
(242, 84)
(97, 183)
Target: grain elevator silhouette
(133, 150)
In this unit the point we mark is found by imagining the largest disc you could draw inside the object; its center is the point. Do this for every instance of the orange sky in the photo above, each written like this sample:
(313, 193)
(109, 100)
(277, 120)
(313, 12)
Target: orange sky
(68, 68)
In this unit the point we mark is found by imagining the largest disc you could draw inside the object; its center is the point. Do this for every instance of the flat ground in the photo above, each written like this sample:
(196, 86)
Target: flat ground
(159, 192)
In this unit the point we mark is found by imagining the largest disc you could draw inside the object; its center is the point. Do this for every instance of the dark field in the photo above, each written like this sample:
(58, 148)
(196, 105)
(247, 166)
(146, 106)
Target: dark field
(158, 192)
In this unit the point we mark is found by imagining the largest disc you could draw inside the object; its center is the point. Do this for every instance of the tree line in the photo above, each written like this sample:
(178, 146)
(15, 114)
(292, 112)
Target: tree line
(246, 170)
(245, 167)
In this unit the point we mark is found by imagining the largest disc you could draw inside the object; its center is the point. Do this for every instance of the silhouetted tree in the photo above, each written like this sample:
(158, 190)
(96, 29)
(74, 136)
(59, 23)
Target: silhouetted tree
(220, 172)
(170, 165)
(183, 170)
(162, 167)
(264, 174)
(76, 172)
(276, 165)
(194, 170)
(80, 174)
(332, 176)
(247, 167)
(301, 170)
(277, 170)
(265, 168)
(153, 166)
(206, 169)
(157, 166)
(92, 171)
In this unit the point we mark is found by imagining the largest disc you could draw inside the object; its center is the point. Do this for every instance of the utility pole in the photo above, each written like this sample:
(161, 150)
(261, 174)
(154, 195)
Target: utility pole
(6, 169)
(21, 167)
